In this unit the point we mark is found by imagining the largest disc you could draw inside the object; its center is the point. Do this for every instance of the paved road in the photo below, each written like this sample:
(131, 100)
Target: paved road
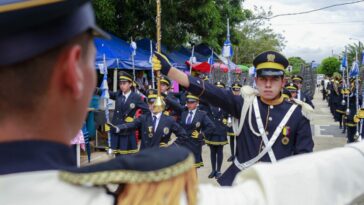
(326, 134)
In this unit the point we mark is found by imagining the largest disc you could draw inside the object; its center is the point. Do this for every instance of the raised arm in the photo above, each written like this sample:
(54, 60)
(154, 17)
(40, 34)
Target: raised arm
(207, 92)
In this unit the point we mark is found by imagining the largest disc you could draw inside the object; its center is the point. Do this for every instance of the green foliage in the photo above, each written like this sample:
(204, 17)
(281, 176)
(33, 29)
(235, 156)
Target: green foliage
(329, 66)
(186, 22)
(105, 11)
(202, 21)
(296, 63)
(257, 36)
(352, 49)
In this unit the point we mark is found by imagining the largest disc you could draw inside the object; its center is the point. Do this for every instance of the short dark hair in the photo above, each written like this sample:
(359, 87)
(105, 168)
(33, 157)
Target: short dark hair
(25, 84)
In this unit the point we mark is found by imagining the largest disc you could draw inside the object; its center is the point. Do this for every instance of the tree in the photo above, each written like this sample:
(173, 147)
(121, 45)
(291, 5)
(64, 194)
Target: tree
(329, 66)
(183, 22)
(352, 50)
(296, 63)
(256, 36)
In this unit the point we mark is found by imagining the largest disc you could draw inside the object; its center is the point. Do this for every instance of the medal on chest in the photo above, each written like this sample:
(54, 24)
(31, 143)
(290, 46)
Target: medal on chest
(150, 131)
(285, 132)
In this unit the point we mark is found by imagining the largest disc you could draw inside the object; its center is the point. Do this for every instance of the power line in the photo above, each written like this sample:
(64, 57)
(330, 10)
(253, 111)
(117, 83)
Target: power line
(319, 23)
(310, 11)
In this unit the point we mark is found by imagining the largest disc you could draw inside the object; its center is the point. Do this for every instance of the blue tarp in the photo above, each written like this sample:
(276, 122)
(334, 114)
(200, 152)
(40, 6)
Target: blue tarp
(179, 56)
(118, 55)
(177, 59)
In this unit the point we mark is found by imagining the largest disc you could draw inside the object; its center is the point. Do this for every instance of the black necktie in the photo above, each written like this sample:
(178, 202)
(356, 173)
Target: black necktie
(154, 121)
(122, 100)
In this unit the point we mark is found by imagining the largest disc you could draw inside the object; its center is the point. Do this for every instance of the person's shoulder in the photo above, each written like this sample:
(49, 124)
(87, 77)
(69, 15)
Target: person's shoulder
(167, 117)
(53, 189)
(146, 166)
(201, 112)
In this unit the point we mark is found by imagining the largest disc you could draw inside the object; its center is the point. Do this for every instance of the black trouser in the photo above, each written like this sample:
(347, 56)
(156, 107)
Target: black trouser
(232, 145)
(216, 156)
(323, 94)
(351, 133)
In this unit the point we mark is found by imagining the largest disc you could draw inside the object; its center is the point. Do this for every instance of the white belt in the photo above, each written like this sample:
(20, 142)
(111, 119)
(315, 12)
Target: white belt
(268, 144)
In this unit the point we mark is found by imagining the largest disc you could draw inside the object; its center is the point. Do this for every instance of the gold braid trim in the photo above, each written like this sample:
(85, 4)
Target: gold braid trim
(216, 143)
(163, 192)
(340, 111)
(118, 151)
(350, 124)
(198, 165)
(231, 134)
(127, 176)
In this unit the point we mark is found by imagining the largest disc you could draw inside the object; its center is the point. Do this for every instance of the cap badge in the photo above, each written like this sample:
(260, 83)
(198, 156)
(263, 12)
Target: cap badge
(271, 57)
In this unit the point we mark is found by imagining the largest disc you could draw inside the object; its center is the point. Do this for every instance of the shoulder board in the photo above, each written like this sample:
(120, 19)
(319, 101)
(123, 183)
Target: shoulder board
(147, 166)
(307, 110)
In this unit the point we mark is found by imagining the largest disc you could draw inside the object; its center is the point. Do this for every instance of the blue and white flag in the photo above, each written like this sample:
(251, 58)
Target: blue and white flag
(343, 62)
(133, 47)
(211, 59)
(227, 50)
(105, 88)
(355, 69)
(252, 71)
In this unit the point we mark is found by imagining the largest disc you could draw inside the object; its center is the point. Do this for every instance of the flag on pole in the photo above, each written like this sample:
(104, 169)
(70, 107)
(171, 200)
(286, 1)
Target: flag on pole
(211, 58)
(133, 47)
(355, 69)
(227, 50)
(344, 63)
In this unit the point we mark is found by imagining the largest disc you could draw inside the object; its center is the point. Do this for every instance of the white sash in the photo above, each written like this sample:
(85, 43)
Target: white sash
(268, 144)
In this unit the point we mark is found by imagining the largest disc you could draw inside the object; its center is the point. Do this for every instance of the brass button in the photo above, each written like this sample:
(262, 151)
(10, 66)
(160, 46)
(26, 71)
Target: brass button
(270, 118)
(271, 106)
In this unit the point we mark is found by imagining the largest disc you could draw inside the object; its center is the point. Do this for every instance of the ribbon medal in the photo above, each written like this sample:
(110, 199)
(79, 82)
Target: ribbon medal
(150, 131)
(285, 132)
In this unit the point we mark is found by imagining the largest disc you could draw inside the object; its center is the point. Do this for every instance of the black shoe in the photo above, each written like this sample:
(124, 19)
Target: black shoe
(212, 174)
(217, 175)
(231, 158)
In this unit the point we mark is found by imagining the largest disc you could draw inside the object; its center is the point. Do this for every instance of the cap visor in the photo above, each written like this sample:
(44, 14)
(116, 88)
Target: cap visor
(270, 72)
(98, 32)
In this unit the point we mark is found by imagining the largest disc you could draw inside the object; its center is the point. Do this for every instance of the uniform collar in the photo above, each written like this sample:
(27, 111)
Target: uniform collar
(126, 95)
(158, 115)
(193, 111)
(276, 101)
(34, 155)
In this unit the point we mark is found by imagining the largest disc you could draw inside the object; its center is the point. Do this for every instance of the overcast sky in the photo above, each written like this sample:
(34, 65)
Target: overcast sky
(315, 35)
